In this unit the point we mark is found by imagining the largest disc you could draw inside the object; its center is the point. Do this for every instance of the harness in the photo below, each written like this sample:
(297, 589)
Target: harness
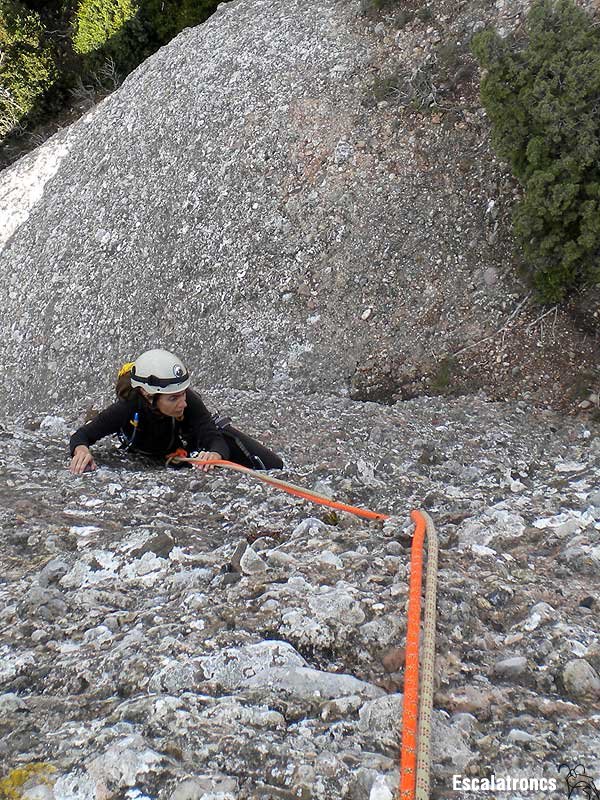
(127, 441)
(224, 424)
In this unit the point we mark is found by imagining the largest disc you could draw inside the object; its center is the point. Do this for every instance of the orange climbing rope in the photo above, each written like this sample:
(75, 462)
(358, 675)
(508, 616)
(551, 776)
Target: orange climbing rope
(418, 698)
(410, 708)
(419, 673)
(290, 488)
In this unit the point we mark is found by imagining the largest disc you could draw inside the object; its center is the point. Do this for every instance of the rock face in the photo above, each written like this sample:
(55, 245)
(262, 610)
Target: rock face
(140, 659)
(249, 200)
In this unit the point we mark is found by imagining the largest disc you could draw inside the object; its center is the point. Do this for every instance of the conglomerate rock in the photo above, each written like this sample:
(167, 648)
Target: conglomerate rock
(139, 658)
(266, 200)
(258, 197)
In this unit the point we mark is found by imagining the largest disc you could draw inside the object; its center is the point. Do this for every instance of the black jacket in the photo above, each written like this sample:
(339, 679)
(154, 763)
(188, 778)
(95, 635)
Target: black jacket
(156, 433)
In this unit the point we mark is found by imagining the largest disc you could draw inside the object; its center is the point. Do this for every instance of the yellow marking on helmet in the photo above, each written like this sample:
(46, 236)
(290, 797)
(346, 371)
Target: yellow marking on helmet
(126, 368)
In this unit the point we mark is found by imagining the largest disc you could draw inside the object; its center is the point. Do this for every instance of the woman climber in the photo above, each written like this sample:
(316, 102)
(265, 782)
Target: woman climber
(157, 414)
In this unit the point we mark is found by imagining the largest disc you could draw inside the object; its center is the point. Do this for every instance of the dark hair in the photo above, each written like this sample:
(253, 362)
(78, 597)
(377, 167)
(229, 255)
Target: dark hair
(124, 389)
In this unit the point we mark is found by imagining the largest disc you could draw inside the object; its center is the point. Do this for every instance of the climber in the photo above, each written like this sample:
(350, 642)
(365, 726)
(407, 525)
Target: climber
(157, 414)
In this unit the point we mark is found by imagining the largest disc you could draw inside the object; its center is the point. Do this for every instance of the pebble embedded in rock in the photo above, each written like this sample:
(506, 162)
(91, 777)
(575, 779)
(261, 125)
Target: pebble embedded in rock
(523, 737)
(490, 276)
(381, 790)
(511, 667)
(204, 787)
(53, 572)
(11, 703)
(581, 680)
(251, 563)
(329, 559)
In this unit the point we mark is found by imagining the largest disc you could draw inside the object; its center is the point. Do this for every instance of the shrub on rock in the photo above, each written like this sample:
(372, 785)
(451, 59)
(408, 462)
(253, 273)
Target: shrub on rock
(164, 19)
(100, 29)
(27, 66)
(130, 30)
(542, 97)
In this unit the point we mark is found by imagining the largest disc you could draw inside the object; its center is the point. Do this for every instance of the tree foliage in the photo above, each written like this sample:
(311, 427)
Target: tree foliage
(164, 19)
(97, 21)
(542, 96)
(49, 48)
(130, 30)
(27, 63)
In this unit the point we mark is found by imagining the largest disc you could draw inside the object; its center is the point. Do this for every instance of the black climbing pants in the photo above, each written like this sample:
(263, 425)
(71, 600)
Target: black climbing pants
(245, 450)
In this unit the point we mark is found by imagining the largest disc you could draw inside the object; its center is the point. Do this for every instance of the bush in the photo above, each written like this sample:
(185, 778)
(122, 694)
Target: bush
(97, 21)
(128, 31)
(55, 51)
(164, 19)
(542, 96)
(100, 32)
(27, 65)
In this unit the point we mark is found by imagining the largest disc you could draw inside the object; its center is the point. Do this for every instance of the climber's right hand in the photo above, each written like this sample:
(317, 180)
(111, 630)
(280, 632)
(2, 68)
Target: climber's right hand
(82, 461)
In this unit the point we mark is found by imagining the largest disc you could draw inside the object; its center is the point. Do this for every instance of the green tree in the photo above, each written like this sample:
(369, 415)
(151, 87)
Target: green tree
(53, 50)
(131, 30)
(100, 30)
(27, 63)
(542, 96)
(164, 19)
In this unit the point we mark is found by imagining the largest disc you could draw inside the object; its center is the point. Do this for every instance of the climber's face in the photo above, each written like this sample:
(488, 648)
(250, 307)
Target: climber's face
(172, 405)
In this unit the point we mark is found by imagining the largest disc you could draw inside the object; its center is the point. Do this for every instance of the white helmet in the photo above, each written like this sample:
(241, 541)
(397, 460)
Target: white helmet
(159, 372)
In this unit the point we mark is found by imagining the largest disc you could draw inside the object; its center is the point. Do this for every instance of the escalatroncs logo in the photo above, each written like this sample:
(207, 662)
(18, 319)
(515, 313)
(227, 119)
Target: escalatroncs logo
(579, 785)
